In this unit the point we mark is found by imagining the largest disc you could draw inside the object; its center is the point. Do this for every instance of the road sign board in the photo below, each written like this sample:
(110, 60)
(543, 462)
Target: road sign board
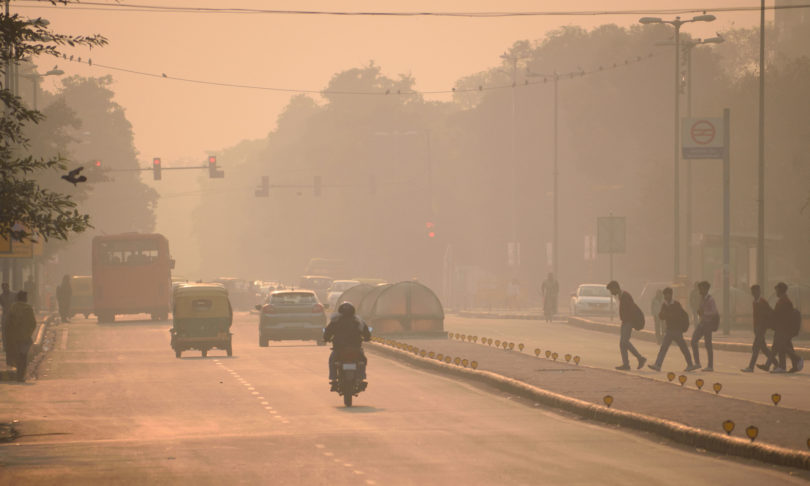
(610, 234)
(702, 138)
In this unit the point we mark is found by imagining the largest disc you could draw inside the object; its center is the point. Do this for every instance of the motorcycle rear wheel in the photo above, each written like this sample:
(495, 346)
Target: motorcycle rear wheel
(347, 399)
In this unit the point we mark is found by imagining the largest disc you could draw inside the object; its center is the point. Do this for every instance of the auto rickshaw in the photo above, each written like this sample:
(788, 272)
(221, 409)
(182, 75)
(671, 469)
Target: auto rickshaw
(202, 317)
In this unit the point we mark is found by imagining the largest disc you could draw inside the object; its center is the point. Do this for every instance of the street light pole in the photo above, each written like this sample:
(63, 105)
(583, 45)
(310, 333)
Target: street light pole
(677, 23)
(761, 165)
(555, 239)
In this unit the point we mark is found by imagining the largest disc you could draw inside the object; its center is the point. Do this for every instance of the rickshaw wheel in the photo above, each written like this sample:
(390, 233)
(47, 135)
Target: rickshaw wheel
(204, 353)
(177, 353)
(229, 350)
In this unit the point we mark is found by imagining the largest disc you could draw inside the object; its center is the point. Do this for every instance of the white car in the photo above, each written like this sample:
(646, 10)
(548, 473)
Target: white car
(336, 290)
(592, 299)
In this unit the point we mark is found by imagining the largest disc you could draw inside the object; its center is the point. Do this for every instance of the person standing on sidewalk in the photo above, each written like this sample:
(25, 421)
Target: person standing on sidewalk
(709, 321)
(6, 300)
(21, 324)
(550, 290)
(632, 318)
(694, 302)
(64, 294)
(786, 326)
(762, 322)
(676, 320)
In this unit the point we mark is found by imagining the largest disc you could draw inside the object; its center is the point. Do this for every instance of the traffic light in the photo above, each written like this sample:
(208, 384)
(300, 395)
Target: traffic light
(156, 168)
(316, 185)
(213, 172)
(431, 229)
(97, 164)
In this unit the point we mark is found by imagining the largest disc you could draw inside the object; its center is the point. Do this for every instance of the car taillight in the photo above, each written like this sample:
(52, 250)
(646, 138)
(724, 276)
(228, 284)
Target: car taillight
(268, 309)
(317, 308)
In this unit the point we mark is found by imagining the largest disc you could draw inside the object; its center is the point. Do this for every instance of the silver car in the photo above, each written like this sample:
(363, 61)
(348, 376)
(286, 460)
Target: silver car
(592, 299)
(291, 315)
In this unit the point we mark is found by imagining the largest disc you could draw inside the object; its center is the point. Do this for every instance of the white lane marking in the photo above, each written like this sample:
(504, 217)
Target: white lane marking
(347, 464)
(63, 342)
(265, 403)
(260, 398)
(359, 473)
(320, 446)
(328, 454)
(369, 481)
(250, 388)
(269, 408)
(254, 393)
(285, 421)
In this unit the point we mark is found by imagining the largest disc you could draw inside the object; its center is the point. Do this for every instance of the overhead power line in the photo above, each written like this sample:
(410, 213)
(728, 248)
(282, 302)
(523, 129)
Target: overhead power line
(134, 7)
(542, 79)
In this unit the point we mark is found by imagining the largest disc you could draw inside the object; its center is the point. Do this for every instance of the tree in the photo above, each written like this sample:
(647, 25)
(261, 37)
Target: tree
(26, 208)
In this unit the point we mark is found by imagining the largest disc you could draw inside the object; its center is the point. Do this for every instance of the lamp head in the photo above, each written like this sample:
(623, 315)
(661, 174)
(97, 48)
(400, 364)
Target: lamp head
(649, 20)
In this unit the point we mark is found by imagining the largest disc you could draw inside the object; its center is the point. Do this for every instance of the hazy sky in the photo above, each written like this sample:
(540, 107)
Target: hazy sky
(180, 122)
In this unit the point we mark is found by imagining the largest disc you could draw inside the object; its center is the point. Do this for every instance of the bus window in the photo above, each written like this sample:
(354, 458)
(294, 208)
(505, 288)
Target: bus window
(129, 252)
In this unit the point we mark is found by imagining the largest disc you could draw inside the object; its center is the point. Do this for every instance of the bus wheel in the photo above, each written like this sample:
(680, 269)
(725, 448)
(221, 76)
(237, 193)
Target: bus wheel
(229, 350)
(177, 353)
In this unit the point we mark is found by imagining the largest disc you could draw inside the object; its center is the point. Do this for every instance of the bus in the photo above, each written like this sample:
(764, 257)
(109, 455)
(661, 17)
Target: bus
(131, 275)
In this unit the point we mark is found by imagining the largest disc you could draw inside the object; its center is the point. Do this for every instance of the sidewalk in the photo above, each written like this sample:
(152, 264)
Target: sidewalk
(705, 410)
(738, 340)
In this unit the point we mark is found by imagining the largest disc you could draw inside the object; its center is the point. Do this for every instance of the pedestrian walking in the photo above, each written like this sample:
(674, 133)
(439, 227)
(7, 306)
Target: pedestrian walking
(708, 322)
(787, 322)
(64, 294)
(550, 290)
(676, 321)
(632, 318)
(6, 299)
(762, 322)
(655, 310)
(21, 324)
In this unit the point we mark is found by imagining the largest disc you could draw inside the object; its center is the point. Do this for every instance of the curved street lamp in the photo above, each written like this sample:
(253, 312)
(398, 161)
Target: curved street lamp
(677, 22)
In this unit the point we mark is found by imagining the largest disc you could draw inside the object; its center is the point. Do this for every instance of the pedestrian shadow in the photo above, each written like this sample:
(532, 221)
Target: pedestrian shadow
(360, 409)
(139, 322)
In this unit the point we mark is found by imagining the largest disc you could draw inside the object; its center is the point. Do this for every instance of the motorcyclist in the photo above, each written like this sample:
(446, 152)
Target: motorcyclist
(346, 330)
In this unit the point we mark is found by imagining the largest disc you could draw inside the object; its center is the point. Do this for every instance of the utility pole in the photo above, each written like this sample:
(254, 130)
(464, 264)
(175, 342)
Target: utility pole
(761, 189)
(555, 237)
(514, 243)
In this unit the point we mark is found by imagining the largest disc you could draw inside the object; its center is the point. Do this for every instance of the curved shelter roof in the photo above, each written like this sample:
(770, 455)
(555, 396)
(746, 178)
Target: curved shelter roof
(355, 294)
(402, 308)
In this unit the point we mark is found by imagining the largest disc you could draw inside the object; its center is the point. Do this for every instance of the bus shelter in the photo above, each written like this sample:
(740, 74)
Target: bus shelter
(403, 308)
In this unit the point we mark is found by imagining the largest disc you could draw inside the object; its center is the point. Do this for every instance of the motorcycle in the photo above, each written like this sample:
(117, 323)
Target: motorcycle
(349, 363)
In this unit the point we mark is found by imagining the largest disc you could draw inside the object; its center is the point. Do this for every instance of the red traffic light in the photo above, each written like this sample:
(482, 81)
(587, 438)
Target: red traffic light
(429, 225)
(156, 168)
(212, 159)
(97, 163)
(156, 161)
(431, 234)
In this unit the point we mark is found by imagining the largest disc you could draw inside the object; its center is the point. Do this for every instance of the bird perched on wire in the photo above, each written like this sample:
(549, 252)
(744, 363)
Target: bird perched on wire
(73, 176)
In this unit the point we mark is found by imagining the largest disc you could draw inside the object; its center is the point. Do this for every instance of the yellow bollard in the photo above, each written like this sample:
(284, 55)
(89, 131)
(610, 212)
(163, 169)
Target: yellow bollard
(728, 426)
(717, 387)
(554, 355)
(422, 353)
(699, 382)
(489, 341)
(505, 345)
(548, 354)
(576, 360)
(670, 376)
(440, 357)
(752, 431)
(567, 358)
(474, 365)
(520, 347)
(537, 352)
(682, 379)
(431, 355)
(463, 337)
(511, 346)
(448, 359)
(464, 362)
(608, 399)
(457, 361)
(498, 343)
(776, 398)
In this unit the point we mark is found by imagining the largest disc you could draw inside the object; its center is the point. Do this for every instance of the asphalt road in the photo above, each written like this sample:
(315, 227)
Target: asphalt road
(114, 406)
(601, 350)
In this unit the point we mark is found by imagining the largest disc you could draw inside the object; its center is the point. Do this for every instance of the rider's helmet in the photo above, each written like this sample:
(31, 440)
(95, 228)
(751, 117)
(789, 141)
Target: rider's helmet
(346, 309)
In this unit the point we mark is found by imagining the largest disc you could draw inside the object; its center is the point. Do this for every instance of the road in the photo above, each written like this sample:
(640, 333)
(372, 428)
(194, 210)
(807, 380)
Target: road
(601, 350)
(113, 405)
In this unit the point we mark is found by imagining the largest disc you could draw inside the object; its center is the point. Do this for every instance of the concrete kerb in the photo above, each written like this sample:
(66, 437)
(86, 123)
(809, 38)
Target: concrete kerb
(710, 441)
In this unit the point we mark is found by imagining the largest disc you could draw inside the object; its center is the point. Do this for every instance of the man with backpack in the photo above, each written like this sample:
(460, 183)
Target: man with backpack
(676, 321)
(632, 318)
(762, 322)
(709, 321)
(787, 321)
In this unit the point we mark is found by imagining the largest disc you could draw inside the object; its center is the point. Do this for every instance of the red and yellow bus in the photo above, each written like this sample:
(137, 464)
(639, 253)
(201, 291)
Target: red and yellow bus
(131, 275)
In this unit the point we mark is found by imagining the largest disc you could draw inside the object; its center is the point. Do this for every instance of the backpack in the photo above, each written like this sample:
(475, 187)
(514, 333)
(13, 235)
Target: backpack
(681, 319)
(638, 317)
(795, 323)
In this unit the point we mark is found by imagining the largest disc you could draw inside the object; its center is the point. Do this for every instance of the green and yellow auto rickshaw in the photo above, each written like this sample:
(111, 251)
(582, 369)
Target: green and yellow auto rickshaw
(202, 317)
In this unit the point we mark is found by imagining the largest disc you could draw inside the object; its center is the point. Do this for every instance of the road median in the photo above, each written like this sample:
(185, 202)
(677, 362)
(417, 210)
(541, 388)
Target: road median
(682, 414)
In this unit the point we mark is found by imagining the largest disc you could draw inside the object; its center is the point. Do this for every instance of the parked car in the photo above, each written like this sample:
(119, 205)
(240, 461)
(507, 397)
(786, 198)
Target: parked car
(291, 315)
(592, 299)
(336, 290)
(242, 293)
